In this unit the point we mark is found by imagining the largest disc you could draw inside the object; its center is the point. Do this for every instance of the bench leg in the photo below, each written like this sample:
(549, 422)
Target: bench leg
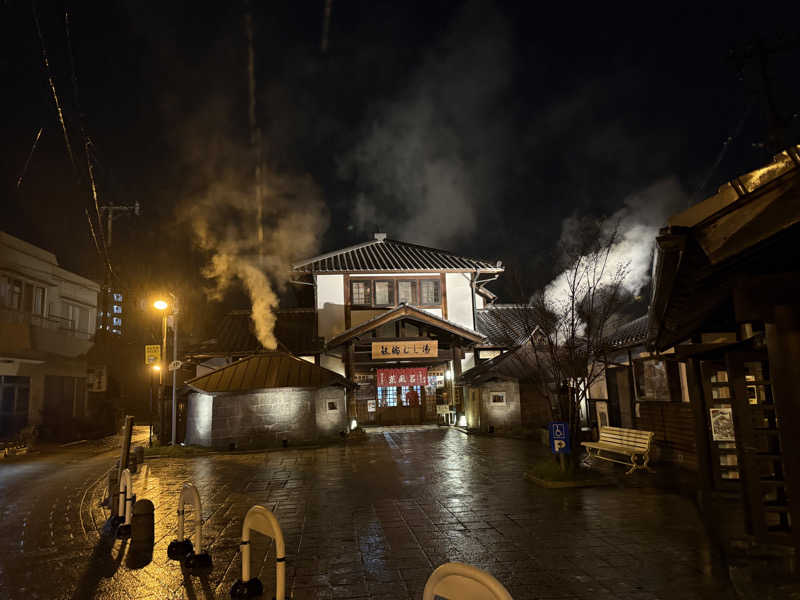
(636, 466)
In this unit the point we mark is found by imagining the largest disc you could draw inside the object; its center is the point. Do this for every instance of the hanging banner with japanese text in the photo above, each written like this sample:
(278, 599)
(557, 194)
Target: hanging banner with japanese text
(399, 349)
(402, 377)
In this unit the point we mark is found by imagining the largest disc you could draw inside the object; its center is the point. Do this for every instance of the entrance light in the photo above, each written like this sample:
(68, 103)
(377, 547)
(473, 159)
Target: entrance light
(161, 304)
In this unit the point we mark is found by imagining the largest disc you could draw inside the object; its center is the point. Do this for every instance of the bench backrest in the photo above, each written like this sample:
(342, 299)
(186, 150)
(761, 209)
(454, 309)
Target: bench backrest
(633, 438)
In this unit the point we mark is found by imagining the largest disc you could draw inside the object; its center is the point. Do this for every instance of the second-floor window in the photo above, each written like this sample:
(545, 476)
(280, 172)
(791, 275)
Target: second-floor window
(21, 295)
(390, 292)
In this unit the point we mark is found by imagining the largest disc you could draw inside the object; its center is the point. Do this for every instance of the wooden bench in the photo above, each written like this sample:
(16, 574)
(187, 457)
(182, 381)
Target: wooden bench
(629, 442)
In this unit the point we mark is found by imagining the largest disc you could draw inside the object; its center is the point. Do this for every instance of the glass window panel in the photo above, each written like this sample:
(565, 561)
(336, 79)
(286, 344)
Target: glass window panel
(384, 293)
(8, 400)
(407, 292)
(720, 392)
(15, 296)
(719, 377)
(361, 293)
(38, 301)
(429, 292)
(387, 396)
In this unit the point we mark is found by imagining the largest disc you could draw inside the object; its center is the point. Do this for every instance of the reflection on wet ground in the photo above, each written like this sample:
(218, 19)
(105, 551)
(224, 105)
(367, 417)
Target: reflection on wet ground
(372, 520)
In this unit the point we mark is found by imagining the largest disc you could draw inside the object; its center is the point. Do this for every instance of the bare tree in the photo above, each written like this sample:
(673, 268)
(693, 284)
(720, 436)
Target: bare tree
(561, 333)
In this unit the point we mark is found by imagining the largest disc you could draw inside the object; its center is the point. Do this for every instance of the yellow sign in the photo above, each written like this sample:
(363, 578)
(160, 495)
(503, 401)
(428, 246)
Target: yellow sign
(400, 350)
(152, 354)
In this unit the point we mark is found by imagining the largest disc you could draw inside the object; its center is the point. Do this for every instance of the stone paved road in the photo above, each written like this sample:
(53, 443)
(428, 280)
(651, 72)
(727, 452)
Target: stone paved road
(372, 520)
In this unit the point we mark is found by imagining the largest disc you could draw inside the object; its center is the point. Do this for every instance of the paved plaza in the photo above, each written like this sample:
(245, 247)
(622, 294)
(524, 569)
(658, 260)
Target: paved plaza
(365, 520)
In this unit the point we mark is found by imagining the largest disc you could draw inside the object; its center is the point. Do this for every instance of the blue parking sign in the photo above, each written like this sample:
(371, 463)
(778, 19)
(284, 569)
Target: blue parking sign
(559, 437)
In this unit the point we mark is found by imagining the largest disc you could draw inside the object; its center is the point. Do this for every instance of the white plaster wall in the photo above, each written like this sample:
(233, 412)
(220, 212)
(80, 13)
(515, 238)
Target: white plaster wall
(330, 305)
(459, 299)
(334, 363)
(468, 361)
(505, 417)
(434, 311)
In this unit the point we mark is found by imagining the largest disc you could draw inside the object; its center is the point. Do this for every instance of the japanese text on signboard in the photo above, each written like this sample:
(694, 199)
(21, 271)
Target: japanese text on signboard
(398, 349)
(402, 377)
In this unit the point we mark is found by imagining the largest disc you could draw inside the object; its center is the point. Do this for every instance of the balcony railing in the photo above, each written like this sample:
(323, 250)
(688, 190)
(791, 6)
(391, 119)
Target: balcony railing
(67, 326)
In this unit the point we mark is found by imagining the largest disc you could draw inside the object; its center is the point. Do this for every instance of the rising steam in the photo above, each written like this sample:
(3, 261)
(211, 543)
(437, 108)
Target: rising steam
(636, 225)
(433, 157)
(225, 223)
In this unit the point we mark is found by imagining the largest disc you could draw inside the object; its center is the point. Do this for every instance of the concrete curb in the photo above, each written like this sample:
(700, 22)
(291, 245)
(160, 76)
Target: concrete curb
(580, 483)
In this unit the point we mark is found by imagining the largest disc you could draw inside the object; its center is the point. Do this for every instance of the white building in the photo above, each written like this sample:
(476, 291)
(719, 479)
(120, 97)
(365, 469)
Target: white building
(47, 325)
(392, 313)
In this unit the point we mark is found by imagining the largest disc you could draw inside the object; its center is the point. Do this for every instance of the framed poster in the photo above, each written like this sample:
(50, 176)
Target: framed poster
(601, 409)
(722, 424)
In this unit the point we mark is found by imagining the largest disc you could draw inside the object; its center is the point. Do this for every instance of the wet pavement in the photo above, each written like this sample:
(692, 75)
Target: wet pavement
(366, 520)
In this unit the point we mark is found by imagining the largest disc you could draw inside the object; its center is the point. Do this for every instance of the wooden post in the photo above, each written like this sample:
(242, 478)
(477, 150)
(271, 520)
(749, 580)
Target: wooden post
(127, 432)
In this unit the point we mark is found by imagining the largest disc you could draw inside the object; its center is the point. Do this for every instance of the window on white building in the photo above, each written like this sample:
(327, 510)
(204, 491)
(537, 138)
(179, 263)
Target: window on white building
(430, 292)
(384, 293)
(407, 292)
(361, 293)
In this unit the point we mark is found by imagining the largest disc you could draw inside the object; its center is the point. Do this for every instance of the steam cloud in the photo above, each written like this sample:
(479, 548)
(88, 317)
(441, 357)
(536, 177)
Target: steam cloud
(637, 223)
(225, 223)
(432, 158)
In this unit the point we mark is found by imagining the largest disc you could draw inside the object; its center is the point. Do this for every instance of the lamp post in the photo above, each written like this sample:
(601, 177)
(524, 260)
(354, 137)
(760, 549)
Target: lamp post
(163, 305)
(154, 369)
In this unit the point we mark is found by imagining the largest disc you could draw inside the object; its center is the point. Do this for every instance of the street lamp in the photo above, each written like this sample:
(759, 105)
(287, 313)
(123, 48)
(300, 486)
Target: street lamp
(163, 305)
(156, 368)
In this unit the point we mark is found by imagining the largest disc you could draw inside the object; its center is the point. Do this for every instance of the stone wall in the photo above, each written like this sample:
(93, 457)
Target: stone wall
(504, 416)
(267, 417)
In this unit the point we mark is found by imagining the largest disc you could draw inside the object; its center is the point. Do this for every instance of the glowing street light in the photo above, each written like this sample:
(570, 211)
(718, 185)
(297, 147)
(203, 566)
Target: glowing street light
(162, 305)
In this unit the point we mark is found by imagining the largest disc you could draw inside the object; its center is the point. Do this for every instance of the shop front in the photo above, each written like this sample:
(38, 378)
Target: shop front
(405, 362)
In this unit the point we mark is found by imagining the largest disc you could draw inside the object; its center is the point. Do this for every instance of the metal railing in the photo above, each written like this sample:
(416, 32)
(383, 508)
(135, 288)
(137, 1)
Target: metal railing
(11, 315)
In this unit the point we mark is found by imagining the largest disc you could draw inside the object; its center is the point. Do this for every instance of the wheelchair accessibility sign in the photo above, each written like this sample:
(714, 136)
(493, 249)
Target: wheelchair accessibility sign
(559, 437)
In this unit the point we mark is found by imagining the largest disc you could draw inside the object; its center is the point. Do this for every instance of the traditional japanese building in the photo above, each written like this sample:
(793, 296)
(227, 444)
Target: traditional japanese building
(400, 320)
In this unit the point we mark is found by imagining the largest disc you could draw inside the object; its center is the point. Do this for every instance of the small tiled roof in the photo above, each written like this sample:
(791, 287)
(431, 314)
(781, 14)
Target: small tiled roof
(385, 255)
(632, 333)
(404, 311)
(265, 371)
(506, 325)
(518, 363)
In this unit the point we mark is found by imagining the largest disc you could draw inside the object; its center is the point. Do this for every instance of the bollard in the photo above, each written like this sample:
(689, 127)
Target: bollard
(182, 548)
(113, 493)
(263, 521)
(125, 504)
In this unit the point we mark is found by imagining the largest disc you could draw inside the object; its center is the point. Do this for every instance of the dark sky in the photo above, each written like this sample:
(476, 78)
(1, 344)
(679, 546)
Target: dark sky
(474, 126)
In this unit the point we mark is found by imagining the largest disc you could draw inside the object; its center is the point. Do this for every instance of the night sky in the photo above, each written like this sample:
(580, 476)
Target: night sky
(473, 126)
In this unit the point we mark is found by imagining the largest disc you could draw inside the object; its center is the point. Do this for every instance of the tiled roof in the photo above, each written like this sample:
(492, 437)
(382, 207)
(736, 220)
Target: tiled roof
(506, 325)
(632, 333)
(264, 371)
(518, 363)
(412, 313)
(383, 255)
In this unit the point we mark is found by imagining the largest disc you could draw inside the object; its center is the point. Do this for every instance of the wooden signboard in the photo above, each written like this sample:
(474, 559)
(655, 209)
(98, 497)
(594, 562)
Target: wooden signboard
(401, 349)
